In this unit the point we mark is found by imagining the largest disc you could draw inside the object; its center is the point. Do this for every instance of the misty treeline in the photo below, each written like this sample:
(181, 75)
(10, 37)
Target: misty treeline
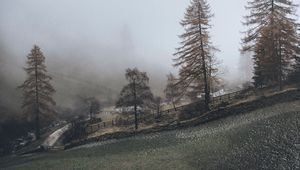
(39, 110)
(272, 39)
(38, 105)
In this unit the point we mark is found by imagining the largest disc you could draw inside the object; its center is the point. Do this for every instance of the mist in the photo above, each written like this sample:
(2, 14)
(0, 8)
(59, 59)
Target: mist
(86, 49)
(88, 45)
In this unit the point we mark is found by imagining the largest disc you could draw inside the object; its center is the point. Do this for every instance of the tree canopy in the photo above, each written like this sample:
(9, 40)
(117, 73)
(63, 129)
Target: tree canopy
(38, 104)
(194, 57)
(272, 38)
(136, 93)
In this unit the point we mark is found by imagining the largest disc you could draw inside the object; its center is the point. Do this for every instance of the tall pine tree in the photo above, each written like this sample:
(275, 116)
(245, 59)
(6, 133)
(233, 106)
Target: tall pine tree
(273, 39)
(194, 57)
(37, 90)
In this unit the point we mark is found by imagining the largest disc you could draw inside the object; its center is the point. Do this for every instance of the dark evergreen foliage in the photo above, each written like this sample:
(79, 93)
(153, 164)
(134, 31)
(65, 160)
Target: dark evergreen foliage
(273, 39)
(38, 105)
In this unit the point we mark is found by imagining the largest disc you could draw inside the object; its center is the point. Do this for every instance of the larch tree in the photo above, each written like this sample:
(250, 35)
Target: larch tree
(195, 89)
(194, 57)
(38, 103)
(272, 38)
(172, 91)
(136, 93)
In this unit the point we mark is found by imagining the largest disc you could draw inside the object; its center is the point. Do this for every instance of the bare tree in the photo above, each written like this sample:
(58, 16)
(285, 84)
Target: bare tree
(195, 54)
(37, 90)
(137, 93)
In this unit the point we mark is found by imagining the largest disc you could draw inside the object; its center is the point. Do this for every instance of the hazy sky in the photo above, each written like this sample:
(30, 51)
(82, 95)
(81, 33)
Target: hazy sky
(106, 36)
(148, 28)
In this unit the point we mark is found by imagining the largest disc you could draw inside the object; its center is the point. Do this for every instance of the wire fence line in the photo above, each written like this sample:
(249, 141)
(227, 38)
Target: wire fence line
(101, 125)
(214, 101)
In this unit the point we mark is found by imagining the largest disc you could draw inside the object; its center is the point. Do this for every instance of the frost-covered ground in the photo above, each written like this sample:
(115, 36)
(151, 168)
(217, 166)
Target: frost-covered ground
(263, 139)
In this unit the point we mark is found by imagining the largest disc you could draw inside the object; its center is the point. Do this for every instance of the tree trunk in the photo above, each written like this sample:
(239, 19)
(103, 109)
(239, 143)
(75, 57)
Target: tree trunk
(174, 106)
(206, 89)
(280, 66)
(158, 111)
(37, 110)
(135, 107)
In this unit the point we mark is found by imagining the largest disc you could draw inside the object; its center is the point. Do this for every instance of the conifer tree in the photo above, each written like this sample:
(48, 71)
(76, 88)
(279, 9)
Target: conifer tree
(273, 39)
(172, 91)
(37, 90)
(194, 57)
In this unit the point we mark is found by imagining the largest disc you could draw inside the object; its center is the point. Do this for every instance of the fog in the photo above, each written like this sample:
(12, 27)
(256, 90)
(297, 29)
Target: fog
(89, 44)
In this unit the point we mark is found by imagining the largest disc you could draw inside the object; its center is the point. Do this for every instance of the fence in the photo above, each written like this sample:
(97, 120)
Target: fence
(215, 101)
(225, 98)
(95, 127)
(55, 148)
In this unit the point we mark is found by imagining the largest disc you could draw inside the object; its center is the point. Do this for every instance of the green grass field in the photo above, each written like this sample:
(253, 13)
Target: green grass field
(263, 139)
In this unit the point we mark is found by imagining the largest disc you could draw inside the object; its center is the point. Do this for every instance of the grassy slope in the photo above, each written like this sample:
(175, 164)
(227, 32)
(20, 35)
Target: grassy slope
(263, 139)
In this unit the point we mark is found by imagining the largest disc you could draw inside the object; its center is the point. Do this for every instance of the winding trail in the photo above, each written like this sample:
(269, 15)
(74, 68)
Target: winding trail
(52, 139)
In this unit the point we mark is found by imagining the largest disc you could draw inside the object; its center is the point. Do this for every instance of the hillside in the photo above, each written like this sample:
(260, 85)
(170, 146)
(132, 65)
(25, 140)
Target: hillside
(262, 139)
